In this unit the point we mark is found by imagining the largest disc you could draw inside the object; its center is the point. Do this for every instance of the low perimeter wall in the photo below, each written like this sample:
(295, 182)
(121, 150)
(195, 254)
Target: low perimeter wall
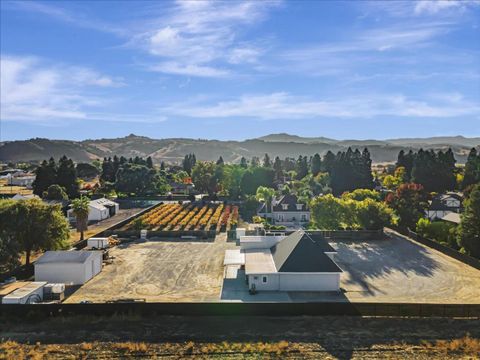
(247, 309)
(445, 250)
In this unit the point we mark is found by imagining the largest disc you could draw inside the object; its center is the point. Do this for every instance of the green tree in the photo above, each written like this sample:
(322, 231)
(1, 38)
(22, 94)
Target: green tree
(67, 176)
(362, 194)
(266, 195)
(46, 175)
(243, 162)
(373, 215)
(36, 226)
(266, 161)
(278, 168)
(189, 162)
(149, 162)
(204, 177)
(302, 167)
(81, 209)
(316, 166)
(136, 179)
(55, 192)
(472, 169)
(231, 180)
(9, 246)
(86, 170)
(255, 177)
(327, 212)
(409, 202)
(469, 237)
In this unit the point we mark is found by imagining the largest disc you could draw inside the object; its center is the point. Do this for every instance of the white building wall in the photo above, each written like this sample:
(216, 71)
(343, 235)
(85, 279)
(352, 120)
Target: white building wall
(67, 273)
(272, 283)
(93, 266)
(309, 282)
(432, 215)
(295, 282)
(259, 242)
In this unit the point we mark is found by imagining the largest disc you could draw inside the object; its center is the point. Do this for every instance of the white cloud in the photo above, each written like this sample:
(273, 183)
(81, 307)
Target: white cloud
(201, 38)
(63, 15)
(189, 70)
(32, 89)
(282, 105)
(436, 6)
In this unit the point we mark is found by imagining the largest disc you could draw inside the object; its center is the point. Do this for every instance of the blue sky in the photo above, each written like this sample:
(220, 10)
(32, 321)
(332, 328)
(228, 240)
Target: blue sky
(236, 70)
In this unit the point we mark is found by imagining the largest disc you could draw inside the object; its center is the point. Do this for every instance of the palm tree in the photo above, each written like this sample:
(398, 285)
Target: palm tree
(266, 194)
(80, 208)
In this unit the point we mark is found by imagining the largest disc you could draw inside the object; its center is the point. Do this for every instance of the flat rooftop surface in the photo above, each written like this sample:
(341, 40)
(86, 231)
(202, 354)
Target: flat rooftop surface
(159, 271)
(259, 261)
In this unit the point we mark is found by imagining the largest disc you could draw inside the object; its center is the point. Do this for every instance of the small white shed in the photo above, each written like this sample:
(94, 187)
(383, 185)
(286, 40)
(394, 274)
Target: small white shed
(97, 243)
(68, 267)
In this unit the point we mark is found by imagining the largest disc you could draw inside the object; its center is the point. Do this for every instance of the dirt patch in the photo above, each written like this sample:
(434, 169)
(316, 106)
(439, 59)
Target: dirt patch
(241, 337)
(160, 271)
(398, 270)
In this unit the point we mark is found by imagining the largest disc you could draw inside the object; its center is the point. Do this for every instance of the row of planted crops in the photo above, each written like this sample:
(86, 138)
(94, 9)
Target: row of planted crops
(185, 217)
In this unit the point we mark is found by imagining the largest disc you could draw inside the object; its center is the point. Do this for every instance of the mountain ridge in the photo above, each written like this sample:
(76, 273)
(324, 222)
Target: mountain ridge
(174, 149)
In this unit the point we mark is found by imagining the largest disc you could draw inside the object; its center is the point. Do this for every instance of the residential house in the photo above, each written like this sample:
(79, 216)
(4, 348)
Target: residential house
(443, 204)
(301, 261)
(286, 210)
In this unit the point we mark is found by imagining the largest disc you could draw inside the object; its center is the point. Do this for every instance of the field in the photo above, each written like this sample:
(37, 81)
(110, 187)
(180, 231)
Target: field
(176, 217)
(12, 190)
(160, 271)
(173, 337)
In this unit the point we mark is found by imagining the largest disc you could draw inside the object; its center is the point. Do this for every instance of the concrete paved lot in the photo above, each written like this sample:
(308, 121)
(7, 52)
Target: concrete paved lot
(160, 271)
(391, 270)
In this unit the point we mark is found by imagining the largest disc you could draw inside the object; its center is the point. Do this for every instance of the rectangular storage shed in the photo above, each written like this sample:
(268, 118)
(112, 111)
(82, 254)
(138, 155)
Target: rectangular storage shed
(68, 267)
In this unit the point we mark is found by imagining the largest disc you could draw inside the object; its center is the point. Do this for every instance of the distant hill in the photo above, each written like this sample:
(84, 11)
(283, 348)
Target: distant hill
(174, 149)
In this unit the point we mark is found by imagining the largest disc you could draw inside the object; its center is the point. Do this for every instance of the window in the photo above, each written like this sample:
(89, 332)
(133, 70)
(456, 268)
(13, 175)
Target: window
(264, 279)
(285, 206)
(299, 206)
(255, 278)
(304, 217)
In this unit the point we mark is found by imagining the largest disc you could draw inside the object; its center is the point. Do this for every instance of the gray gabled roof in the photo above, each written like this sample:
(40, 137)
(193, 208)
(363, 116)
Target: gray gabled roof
(65, 257)
(302, 252)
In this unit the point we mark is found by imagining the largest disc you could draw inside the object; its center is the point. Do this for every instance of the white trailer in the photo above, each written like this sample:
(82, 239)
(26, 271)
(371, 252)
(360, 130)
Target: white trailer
(28, 294)
(97, 243)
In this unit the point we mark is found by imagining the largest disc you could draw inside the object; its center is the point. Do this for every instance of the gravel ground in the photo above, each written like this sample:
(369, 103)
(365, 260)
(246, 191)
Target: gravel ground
(398, 270)
(160, 271)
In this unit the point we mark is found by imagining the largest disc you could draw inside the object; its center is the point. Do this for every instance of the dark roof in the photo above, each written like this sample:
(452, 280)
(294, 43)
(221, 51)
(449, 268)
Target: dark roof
(291, 201)
(302, 252)
(64, 257)
(439, 202)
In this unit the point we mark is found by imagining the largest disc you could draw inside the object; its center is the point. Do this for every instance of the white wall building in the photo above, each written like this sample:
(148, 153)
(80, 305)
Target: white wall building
(99, 209)
(21, 179)
(302, 261)
(444, 204)
(68, 267)
(286, 210)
